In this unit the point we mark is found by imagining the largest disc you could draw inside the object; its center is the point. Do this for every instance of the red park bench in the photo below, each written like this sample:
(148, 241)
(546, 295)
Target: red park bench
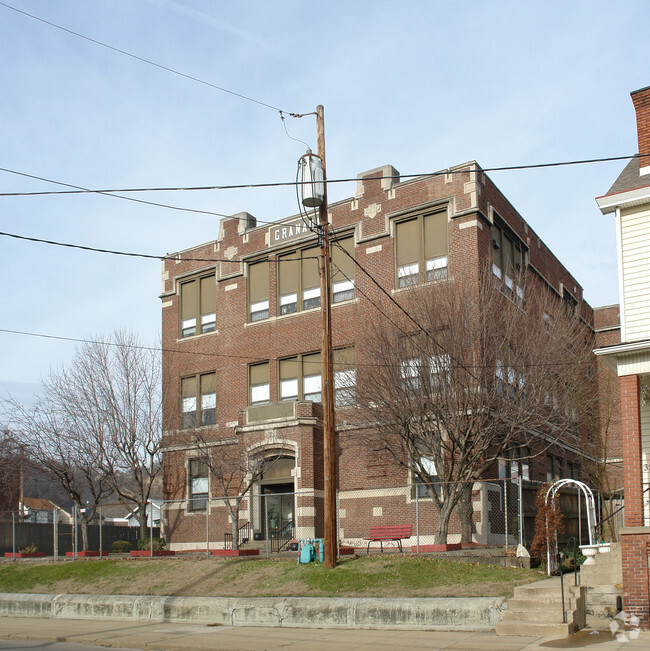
(389, 532)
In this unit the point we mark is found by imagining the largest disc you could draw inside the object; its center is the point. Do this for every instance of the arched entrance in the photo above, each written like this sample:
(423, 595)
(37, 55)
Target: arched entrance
(277, 500)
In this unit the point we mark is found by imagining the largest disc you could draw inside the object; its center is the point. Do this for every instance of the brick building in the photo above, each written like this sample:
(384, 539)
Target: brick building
(629, 201)
(241, 334)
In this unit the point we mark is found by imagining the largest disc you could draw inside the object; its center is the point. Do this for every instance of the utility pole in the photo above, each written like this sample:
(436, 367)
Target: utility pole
(327, 372)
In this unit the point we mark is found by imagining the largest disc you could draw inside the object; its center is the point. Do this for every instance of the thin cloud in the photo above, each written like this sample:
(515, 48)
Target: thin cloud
(206, 19)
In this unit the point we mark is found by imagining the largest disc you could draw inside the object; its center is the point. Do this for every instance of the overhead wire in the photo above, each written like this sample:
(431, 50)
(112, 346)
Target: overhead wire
(143, 60)
(116, 196)
(148, 256)
(276, 184)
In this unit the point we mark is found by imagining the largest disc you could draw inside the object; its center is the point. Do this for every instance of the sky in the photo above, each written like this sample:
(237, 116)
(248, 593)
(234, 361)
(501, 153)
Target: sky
(420, 85)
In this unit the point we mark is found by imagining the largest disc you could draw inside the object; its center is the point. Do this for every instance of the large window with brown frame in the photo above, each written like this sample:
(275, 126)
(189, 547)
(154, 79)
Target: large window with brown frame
(259, 384)
(298, 281)
(198, 400)
(508, 260)
(421, 249)
(258, 291)
(198, 306)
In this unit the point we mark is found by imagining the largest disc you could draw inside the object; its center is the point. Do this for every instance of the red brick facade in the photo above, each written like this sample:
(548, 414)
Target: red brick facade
(472, 205)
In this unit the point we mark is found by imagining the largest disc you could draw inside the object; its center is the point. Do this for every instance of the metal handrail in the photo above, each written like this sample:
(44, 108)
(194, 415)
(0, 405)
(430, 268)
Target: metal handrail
(575, 571)
(241, 538)
(280, 539)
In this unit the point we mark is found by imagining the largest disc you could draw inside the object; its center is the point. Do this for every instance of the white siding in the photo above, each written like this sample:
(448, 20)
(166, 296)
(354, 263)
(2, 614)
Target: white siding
(635, 245)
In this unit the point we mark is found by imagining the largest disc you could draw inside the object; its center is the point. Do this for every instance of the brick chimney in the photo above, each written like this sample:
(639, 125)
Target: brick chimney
(641, 101)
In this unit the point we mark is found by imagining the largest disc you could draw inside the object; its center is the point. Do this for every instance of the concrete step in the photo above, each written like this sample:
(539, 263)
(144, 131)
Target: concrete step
(550, 592)
(541, 605)
(540, 618)
(536, 629)
(545, 610)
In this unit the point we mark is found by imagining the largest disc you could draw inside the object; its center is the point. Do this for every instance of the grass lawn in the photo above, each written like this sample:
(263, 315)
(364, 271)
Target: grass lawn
(375, 576)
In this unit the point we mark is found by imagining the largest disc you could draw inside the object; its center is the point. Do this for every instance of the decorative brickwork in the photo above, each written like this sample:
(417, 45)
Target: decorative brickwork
(472, 205)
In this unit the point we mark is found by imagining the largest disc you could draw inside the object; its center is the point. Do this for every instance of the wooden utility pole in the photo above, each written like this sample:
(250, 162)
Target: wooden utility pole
(329, 444)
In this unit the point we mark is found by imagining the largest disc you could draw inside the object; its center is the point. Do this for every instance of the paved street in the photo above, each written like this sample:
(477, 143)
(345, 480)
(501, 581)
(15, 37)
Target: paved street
(188, 637)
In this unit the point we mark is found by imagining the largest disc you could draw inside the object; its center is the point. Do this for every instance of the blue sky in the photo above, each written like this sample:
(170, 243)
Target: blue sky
(419, 85)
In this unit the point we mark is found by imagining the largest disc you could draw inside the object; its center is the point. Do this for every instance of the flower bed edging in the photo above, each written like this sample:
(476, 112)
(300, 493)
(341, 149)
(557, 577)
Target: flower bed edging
(25, 555)
(235, 552)
(88, 553)
(147, 552)
(448, 547)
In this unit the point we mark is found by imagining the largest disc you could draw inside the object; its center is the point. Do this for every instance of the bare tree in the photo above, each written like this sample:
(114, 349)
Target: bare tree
(60, 441)
(126, 395)
(233, 470)
(470, 375)
(11, 459)
(97, 427)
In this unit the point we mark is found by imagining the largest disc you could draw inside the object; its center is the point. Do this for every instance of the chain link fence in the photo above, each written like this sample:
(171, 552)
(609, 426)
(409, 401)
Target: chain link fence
(56, 533)
(490, 513)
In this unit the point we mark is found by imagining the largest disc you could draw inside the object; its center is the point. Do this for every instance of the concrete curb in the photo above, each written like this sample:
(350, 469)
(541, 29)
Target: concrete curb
(465, 614)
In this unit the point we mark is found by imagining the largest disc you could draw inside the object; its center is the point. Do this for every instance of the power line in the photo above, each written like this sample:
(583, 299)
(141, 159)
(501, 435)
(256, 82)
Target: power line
(173, 256)
(110, 194)
(147, 61)
(248, 358)
(276, 184)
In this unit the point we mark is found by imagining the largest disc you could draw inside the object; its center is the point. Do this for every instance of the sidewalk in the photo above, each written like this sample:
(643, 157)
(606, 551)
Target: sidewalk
(187, 637)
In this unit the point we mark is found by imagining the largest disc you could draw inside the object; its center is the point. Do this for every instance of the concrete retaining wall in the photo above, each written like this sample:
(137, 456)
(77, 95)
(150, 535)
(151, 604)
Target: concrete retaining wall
(468, 614)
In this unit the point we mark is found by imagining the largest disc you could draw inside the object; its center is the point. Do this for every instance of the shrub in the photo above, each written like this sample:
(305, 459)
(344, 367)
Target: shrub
(121, 547)
(145, 544)
(549, 523)
(30, 549)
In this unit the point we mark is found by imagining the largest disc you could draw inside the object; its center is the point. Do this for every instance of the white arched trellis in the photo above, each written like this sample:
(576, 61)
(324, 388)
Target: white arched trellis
(591, 519)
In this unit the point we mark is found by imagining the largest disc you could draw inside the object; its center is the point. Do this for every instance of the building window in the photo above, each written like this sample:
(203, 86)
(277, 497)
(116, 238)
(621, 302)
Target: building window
(289, 378)
(198, 401)
(516, 464)
(508, 264)
(298, 281)
(345, 377)
(311, 378)
(198, 306)
(410, 374)
(421, 249)
(258, 291)
(300, 378)
(343, 269)
(198, 485)
(553, 467)
(259, 383)
(440, 368)
(421, 489)
(573, 470)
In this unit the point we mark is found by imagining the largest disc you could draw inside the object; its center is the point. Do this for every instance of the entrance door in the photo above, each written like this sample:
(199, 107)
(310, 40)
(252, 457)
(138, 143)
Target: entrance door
(278, 507)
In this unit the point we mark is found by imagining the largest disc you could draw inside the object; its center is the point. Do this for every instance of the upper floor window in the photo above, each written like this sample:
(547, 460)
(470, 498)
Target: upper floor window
(300, 378)
(421, 249)
(343, 269)
(258, 291)
(345, 377)
(553, 467)
(259, 383)
(507, 264)
(298, 281)
(198, 306)
(198, 400)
